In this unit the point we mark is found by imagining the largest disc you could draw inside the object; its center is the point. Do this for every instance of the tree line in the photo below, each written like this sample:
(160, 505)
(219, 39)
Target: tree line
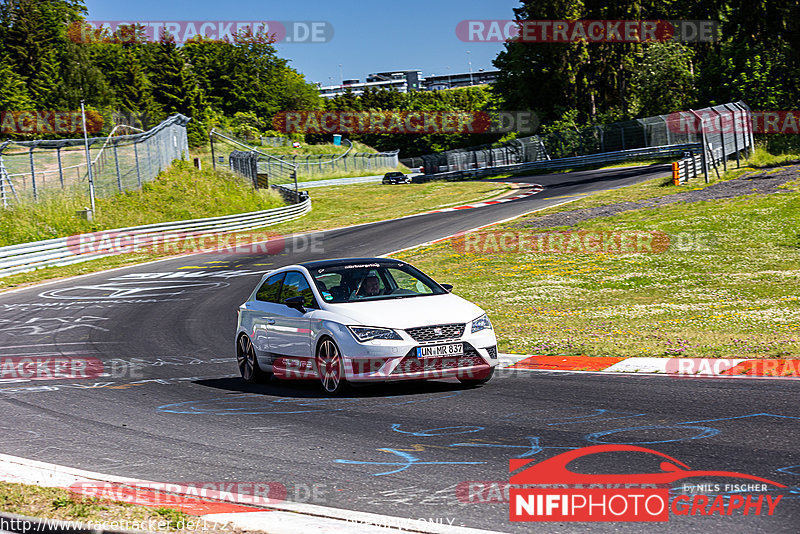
(47, 63)
(242, 83)
(570, 86)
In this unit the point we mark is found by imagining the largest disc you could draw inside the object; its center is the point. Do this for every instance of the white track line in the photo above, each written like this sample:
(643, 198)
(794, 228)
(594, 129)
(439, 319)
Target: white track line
(284, 518)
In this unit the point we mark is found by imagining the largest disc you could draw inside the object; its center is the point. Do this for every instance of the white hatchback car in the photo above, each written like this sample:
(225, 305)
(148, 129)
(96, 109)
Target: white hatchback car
(361, 320)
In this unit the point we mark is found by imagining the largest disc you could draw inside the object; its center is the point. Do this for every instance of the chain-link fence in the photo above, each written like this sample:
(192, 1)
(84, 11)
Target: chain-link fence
(306, 165)
(263, 169)
(726, 125)
(31, 170)
(275, 141)
(319, 165)
(522, 150)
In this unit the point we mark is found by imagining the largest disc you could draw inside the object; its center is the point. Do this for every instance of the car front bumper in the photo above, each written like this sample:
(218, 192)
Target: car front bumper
(383, 360)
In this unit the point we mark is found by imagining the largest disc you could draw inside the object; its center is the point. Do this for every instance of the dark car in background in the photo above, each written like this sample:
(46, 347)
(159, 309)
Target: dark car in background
(396, 178)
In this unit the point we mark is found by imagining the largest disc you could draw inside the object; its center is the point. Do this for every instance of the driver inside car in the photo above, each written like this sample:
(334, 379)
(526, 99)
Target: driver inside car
(370, 287)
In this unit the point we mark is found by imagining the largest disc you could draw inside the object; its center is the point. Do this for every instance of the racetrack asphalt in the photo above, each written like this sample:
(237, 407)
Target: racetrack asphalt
(174, 409)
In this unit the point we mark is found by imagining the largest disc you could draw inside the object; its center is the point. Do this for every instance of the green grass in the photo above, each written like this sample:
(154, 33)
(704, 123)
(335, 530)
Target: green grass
(179, 193)
(726, 287)
(762, 158)
(657, 187)
(346, 205)
(60, 504)
(327, 148)
(333, 207)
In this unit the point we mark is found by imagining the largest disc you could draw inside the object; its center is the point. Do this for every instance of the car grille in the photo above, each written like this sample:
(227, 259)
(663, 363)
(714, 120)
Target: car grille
(492, 352)
(441, 332)
(412, 364)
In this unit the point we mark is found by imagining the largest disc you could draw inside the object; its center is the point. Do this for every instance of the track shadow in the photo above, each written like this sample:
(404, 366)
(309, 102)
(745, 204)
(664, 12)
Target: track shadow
(310, 389)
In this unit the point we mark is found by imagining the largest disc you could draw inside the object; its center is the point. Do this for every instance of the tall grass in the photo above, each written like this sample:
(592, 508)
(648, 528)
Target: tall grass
(181, 192)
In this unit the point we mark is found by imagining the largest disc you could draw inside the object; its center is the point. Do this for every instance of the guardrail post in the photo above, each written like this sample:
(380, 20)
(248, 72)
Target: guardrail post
(116, 164)
(703, 143)
(735, 133)
(722, 137)
(748, 118)
(33, 176)
(149, 161)
(136, 157)
(60, 167)
(211, 141)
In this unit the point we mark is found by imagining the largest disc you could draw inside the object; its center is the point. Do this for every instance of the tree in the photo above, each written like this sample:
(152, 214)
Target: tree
(13, 93)
(664, 79)
(176, 90)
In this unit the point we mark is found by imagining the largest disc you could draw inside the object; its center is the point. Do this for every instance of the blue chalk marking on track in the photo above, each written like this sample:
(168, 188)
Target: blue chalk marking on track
(740, 417)
(437, 431)
(410, 460)
(790, 470)
(705, 432)
(530, 450)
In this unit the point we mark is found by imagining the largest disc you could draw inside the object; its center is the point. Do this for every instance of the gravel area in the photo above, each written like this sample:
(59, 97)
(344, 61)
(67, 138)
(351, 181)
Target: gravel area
(764, 182)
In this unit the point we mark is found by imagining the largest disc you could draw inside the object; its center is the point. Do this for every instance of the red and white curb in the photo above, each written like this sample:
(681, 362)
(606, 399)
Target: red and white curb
(536, 188)
(233, 509)
(676, 367)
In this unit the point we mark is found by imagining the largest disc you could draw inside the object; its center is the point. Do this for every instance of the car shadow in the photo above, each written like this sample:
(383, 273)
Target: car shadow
(310, 389)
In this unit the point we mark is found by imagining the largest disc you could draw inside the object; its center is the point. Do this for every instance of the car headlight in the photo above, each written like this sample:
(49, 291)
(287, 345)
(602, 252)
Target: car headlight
(366, 333)
(481, 323)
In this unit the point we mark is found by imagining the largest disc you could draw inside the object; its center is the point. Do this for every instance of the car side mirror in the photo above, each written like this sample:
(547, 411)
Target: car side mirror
(296, 303)
(448, 287)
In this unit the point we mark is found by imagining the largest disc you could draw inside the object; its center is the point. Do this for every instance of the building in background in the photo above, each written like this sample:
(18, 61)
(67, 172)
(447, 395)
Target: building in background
(409, 80)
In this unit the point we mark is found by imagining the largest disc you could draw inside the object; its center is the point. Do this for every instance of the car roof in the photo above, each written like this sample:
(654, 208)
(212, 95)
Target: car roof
(321, 264)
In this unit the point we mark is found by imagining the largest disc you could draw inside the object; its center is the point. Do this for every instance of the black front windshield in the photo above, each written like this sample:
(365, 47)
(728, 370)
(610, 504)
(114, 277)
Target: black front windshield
(372, 281)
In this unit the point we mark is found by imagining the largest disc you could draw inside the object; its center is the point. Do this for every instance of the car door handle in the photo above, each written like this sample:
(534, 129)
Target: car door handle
(270, 321)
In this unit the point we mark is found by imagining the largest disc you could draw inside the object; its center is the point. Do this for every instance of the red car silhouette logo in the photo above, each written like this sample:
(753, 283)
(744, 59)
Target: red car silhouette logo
(554, 470)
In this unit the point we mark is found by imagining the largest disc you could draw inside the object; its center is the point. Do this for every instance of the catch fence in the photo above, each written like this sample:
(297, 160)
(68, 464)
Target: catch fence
(725, 127)
(31, 170)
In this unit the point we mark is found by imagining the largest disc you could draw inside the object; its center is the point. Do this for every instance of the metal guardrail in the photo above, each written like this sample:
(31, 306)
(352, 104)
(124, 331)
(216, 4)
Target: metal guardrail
(58, 252)
(692, 165)
(564, 163)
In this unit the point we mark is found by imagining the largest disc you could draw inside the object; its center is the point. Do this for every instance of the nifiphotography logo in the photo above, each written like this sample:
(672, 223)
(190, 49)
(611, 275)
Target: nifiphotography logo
(550, 491)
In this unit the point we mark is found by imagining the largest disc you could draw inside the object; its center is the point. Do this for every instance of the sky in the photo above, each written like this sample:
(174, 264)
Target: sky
(371, 36)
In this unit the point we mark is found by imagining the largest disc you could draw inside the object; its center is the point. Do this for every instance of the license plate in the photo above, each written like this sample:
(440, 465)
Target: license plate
(440, 351)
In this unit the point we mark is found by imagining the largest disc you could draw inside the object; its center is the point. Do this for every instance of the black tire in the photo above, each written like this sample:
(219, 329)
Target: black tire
(477, 381)
(248, 362)
(330, 368)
